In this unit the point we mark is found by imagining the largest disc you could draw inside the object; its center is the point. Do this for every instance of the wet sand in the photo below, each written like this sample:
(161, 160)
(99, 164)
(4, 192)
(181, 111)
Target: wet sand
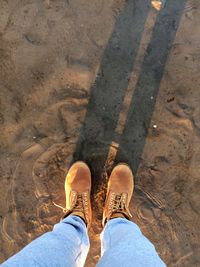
(104, 82)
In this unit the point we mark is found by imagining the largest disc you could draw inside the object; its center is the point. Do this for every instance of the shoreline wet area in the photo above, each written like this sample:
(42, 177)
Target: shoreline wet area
(105, 82)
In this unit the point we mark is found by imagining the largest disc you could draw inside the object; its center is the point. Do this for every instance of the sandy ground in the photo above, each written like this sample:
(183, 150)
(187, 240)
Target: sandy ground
(101, 81)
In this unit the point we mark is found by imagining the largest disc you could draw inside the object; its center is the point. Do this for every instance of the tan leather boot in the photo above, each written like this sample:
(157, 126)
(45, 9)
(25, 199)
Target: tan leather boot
(78, 189)
(119, 193)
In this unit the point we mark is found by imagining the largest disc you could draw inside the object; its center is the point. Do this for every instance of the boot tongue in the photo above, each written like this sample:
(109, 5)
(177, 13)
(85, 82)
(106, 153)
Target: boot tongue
(119, 208)
(119, 203)
(78, 209)
(79, 204)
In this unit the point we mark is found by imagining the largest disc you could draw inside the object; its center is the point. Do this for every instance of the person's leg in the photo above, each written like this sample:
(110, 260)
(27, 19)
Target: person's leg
(122, 241)
(67, 245)
(124, 245)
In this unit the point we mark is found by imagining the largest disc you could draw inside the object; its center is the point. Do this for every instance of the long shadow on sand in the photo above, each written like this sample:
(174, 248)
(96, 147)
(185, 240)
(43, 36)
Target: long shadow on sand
(107, 94)
(108, 91)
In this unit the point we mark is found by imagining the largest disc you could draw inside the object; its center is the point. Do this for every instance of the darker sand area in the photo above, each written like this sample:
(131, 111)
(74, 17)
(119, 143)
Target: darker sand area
(101, 81)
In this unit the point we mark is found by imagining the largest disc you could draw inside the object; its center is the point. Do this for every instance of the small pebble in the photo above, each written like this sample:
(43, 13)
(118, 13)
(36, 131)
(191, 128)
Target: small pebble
(154, 126)
(158, 4)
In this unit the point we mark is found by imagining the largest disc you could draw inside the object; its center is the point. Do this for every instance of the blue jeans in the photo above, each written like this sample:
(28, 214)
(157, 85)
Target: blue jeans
(122, 244)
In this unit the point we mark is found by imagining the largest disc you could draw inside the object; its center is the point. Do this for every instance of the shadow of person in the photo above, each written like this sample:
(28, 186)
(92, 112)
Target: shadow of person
(108, 91)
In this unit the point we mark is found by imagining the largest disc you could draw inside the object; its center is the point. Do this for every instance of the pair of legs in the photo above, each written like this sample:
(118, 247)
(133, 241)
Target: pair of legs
(122, 243)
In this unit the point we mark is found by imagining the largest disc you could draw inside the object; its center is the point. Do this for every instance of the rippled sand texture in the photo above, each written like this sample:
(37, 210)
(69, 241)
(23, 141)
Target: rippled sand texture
(101, 81)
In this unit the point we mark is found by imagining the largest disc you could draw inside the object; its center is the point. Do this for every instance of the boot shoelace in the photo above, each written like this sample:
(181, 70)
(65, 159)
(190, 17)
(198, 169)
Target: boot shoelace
(78, 206)
(118, 203)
